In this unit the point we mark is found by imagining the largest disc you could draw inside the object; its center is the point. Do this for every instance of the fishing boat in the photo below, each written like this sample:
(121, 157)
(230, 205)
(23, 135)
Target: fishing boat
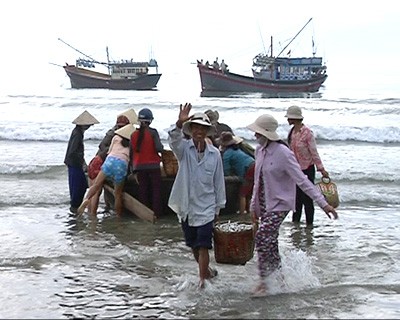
(275, 76)
(121, 75)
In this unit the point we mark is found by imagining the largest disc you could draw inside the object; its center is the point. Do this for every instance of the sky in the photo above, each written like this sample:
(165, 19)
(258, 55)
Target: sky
(352, 37)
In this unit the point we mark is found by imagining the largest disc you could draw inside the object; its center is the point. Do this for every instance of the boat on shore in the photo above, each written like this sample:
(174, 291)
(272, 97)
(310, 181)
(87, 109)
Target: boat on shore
(133, 207)
(169, 169)
(272, 76)
(122, 75)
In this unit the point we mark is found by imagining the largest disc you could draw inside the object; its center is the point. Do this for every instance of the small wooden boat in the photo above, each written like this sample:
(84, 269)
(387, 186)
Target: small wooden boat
(169, 170)
(133, 206)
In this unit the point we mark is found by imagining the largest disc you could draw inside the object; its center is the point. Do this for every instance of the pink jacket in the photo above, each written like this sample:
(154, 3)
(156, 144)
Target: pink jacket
(281, 173)
(304, 147)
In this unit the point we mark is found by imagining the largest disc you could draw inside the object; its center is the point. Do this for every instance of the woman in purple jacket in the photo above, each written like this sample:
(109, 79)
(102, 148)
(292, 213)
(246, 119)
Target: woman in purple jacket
(277, 172)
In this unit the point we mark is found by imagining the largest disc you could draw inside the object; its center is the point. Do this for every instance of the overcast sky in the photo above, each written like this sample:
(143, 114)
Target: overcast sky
(179, 32)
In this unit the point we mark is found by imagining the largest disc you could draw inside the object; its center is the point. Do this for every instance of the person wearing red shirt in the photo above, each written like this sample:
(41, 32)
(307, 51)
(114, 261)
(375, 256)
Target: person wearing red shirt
(145, 160)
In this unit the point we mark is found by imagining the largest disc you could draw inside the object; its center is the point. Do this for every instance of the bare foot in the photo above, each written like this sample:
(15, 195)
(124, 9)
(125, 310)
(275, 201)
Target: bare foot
(260, 291)
(212, 273)
(202, 284)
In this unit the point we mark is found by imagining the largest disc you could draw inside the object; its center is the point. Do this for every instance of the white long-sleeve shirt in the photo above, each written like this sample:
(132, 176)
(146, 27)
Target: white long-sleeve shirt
(199, 187)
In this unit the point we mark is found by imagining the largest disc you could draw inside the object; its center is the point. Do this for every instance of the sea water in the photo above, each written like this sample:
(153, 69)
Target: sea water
(57, 265)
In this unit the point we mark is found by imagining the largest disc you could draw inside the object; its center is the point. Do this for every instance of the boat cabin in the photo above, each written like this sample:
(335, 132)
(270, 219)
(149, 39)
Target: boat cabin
(270, 68)
(128, 69)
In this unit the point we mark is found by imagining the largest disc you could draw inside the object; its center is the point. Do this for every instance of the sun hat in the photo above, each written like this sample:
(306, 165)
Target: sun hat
(227, 139)
(265, 125)
(199, 118)
(294, 112)
(131, 115)
(126, 131)
(85, 119)
(213, 115)
(122, 121)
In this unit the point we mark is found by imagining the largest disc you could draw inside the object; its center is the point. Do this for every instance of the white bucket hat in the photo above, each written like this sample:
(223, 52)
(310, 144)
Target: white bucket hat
(199, 118)
(294, 112)
(131, 115)
(85, 119)
(126, 131)
(265, 125)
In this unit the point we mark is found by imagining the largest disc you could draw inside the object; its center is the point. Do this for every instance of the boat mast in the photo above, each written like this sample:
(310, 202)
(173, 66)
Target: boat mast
(272, 51)
(108, 61)
(294, 37)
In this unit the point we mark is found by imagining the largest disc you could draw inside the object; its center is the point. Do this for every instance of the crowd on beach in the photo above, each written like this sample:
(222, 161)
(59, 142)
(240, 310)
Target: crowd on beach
(276, 177)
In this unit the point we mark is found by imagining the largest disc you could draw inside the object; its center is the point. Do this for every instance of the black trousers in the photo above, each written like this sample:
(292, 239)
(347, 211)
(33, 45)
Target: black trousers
(304, 200)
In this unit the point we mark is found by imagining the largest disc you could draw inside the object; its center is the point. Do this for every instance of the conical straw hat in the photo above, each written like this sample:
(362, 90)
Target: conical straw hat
(126, 131)
(131, 115)
(85, 119)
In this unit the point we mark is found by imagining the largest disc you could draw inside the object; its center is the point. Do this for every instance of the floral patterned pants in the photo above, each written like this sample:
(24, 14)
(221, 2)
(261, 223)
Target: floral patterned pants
(266, 241)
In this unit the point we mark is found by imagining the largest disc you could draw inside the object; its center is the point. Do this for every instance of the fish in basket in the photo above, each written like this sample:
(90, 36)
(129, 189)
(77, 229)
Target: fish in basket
(233, 242)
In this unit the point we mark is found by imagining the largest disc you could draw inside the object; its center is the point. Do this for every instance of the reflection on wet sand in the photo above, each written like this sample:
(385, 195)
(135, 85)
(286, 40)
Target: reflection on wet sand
(302, 236)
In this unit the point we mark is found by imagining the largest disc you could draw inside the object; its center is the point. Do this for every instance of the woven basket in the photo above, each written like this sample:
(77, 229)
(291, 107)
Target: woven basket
(330, 192)
(233, 246)
(170, 163)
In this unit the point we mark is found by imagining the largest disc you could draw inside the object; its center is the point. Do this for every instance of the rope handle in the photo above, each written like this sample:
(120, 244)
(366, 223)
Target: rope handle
(326, 180)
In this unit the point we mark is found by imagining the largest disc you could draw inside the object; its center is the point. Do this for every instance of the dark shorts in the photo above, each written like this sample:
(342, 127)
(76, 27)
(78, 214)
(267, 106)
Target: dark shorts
(198, 237)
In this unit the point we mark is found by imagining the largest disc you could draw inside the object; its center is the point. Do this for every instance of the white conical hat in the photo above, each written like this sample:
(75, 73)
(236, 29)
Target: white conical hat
(126, 131)
(85, 119)
(131, 115)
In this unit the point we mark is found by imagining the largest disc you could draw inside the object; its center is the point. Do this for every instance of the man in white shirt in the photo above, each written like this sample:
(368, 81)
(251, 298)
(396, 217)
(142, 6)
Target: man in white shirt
(198, 192)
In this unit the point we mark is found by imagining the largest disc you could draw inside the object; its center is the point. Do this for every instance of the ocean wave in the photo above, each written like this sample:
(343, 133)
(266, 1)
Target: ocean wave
(32, 170)
(340, 133)
(384, 135)
(377, 101)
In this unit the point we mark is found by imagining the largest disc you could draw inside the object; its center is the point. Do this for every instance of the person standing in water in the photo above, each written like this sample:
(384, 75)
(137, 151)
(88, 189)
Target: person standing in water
(75, 160)
(302, 142)
(198, 192)
(277, 173)
(145, 150)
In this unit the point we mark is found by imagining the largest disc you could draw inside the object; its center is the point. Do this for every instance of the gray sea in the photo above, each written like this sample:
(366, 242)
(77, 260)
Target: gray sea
(54, 264)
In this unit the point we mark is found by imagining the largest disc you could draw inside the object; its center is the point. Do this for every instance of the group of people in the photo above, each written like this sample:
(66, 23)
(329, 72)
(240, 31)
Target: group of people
(216, 65)
(125, 149)
(198, 192)
(276, 180)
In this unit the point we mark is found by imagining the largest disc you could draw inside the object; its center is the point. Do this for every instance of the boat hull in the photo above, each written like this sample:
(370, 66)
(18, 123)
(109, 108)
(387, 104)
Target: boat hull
(81, 78)
(232, 187)
(227, 82)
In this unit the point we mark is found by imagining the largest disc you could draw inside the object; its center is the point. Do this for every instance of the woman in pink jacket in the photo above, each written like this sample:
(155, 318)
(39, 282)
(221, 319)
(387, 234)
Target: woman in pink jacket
(277, 173)
(302, 142)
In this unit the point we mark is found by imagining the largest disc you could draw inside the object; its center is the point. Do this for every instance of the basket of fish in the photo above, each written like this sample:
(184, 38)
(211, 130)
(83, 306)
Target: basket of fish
(234, 242)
